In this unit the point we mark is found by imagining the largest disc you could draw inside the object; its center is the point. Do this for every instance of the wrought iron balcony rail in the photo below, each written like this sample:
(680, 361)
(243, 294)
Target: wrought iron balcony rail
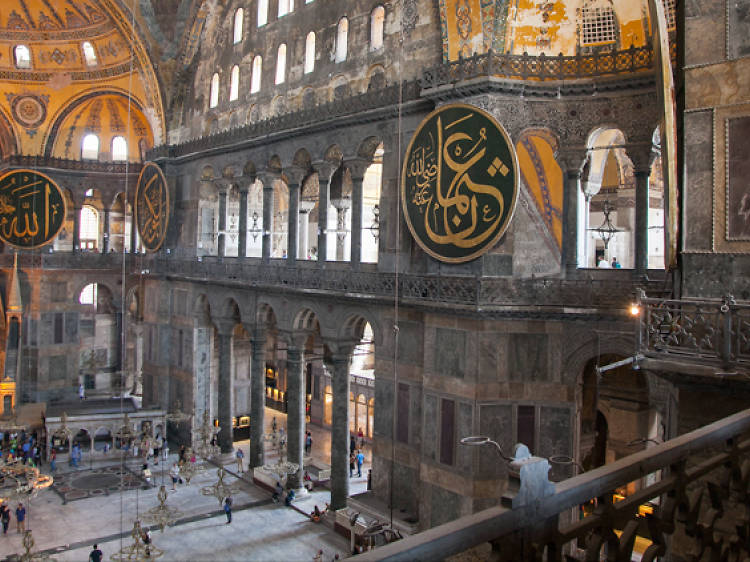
(712, 332)
(390, 96)
(542, 67)
(26, 161)
(702, 484)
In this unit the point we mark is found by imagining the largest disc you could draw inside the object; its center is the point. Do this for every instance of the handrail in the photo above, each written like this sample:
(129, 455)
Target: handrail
(29, 161)
(532, 520)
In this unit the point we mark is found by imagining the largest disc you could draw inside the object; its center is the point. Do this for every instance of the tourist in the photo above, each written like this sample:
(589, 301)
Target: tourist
(604, 264)
(20, 518)
(174, 473)
(96, 555)
(277, 491)
(360, 460)
(615, 263)
(318, 557)
(361, 438)
(273, 424)
(307, 481)
(182, 453)
(239, 455)
(352, 460)
(81, 392)
(228, 508)
(53, 460)
(316, 514)
(352, 445)
(308, 442)
(146, 538)
(146, 473)
(289, 498)
(5, 517)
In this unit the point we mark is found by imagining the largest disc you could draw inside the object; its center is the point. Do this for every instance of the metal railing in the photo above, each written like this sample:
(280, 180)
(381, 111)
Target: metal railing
(702, 492)
(707, 331)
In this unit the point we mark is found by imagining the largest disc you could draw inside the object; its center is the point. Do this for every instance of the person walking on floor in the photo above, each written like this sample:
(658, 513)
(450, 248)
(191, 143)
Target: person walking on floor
(240, 456)
(352, 460)
(308, 442)
(228, 508)
(174, 473)
(53, 460)
(5, 517)
(20, 518)
(360, 460)
(96, 555)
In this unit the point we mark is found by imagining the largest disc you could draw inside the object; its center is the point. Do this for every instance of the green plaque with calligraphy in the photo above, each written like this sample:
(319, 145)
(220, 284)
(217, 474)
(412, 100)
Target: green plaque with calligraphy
(459, 183)
(32, 209)
(152, 206)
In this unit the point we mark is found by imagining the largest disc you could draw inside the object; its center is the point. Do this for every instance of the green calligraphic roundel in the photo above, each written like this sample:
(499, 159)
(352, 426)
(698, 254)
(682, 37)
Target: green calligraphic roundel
(32, 209)
(152, 206)
(459, 183)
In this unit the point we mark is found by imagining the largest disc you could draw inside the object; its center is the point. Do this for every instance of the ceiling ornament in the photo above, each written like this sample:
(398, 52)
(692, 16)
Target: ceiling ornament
(29, 110)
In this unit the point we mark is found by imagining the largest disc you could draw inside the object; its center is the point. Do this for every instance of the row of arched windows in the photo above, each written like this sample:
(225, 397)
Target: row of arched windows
(22, 55)
(285, 7)
(377, 23)
(90, 148)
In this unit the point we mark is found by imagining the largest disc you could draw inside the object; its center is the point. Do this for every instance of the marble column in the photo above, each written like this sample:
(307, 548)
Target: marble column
(341, 206)
(295, 412)
(242, 236)
(304, 227)
(257, 398)
(76, 228)
(133, 243)
(224, 331)
(267, 216)
(642, 158)
(222, 221)
(340, 432)
(325, 171)
(292, 238)
(571, 162)
(105, 236)
(357, 168)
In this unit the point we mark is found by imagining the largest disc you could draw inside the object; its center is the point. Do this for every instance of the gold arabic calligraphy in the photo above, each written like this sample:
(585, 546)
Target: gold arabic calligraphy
(30, 208)
(152, 206)
(467, 212)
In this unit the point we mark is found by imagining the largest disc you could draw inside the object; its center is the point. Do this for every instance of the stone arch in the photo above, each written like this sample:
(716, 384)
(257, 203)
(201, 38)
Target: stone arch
(353, 326)
(302, 159)
(368, 147)
(229, 309)
(112, 293)
(202, 310)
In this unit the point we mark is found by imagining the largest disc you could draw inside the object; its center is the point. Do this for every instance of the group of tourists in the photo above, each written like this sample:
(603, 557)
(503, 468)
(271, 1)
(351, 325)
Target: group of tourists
(20, 517)
(20, 447)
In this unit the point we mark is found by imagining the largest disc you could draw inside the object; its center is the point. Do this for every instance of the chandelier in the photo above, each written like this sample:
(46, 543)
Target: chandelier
(189, 469)
(220, 489)
(28, 546)
(162, 515)
(282, 467)
(138, 551)
(21, 481)
(204, 436)
(607, 230)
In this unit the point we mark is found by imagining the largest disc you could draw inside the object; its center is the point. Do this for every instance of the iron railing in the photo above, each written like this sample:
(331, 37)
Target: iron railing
(708, 331)
(699, 493)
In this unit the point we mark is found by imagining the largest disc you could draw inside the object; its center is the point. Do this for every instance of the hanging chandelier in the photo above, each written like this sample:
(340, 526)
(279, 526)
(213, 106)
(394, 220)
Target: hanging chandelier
(606, 231)
(162, 515)
(139, 550)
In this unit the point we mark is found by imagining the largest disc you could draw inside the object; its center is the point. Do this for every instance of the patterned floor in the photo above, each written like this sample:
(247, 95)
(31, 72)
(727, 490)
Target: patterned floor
(97, 482)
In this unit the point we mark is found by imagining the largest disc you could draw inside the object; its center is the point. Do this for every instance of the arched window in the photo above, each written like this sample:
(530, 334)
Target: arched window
(342, 34)
(90, 147)
(281, 64)
(238, 20)
(22, 55)
(213, 99)
(89, 54)
(255, 80)
(377, 21)
(262, 12)
(598, 24)
(88, 294)
(285, 7)
(89, 227)
(119, 148)
(310, 52)
(234, 84)
(670, 10)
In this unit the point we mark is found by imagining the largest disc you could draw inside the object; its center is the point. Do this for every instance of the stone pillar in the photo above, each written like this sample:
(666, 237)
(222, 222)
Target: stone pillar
(304, 226)
(77, 228)
(133, 233)
(294, 176)
(357, 168)
(340, 430)
(222, 219)
(105, 235)
(642, 157)
(257, 398)
(571, 162)
(295, 391)
(242, 236)
(325, 171)
(341, 205)
(268, 180)
(224, 329)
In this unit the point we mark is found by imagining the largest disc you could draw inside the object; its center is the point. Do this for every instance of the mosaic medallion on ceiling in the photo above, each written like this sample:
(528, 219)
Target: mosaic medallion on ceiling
(28, 110)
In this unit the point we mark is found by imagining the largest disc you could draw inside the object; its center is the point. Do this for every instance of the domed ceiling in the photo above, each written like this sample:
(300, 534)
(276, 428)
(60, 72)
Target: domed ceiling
(75, 49)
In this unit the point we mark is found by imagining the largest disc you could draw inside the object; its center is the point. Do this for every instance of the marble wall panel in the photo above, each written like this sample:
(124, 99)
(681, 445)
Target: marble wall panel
(528, 357)
(71, 327)
(496, 422)
(445, 506)
(429, 428)
(705, 26)
(464, 428)
(739, 28)
(410, 343)
(555, 438)
(384, 401)
(698, 189)
(450, 352)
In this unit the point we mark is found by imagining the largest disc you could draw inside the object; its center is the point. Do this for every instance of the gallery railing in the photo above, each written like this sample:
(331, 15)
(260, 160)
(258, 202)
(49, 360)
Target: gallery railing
(708, 331)
(698, 502)
(541, 67)
(26, 161)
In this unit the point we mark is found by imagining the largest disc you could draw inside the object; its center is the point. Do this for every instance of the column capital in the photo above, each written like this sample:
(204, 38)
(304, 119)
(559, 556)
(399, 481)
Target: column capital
(295, 339)
(642, 155)
(267, 177)
(341, 350)
(294, 176)
(357, 167)
(244, 182)
(225, 326)
(223, 184)
(572, 160)
(325, 169)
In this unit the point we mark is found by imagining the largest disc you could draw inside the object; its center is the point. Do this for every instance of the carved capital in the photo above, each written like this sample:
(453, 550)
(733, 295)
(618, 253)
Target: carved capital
(572, 160)
(223, 184)
(267, 177)
(325, 169)
(357, 168)
(225, 326)
(642, 156)
(294, 176)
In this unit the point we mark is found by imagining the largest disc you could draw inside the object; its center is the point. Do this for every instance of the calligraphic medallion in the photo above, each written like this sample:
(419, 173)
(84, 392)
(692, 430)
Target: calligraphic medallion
(32, 209)
(152, 206)
(459, 183)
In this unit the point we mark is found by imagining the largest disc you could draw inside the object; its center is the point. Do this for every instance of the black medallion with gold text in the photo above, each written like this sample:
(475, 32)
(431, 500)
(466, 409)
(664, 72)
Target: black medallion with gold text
(152, 206)
(32, 209)
(459, 183)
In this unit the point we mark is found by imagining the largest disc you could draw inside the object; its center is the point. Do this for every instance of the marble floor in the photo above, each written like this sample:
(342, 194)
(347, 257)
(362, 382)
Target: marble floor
(269, 531)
